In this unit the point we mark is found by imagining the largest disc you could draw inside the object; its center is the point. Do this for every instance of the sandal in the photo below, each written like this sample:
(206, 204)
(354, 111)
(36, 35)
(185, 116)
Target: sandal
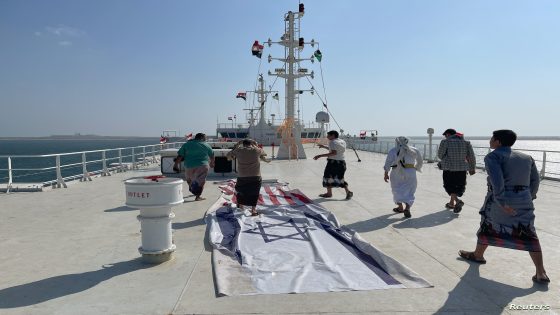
(407, 214)
(325, 195)
(398, 210)
(459, 206)
(541, 281)
(349, 195)
(449, 206)
(255, 214)
(470, 257)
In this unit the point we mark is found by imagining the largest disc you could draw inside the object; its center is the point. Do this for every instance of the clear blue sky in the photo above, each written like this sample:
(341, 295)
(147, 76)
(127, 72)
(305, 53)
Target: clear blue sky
(135, 67)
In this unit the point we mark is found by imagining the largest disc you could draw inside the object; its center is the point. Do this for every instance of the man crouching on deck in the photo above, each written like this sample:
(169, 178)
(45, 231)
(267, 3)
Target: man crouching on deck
(199, 158)
(336, 166)
(248, 185)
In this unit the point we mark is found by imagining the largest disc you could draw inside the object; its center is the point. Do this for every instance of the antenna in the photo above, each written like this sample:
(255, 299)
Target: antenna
(291, 146)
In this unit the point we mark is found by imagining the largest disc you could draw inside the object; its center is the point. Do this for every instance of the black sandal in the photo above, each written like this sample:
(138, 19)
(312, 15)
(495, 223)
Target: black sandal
(541, 281)
(398, 210)
(349, 195)
(255, 214)
(325, 196)
(449, 206)
(407, 214)
(459, 206)
(470, 257)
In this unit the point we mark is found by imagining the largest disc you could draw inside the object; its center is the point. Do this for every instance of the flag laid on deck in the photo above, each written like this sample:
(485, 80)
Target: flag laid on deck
(294, 246)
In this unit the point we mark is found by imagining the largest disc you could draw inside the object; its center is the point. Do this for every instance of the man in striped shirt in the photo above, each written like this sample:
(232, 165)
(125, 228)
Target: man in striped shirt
(457, 157)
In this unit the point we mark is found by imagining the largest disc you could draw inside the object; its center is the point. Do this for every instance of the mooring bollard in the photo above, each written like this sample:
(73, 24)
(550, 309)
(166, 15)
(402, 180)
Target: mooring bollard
(155, 196)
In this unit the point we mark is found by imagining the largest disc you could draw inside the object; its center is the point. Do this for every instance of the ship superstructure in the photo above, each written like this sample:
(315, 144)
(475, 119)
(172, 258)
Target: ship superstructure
(291, 131)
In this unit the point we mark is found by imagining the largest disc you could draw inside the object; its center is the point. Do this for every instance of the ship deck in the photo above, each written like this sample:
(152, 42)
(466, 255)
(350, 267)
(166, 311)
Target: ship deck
(74, 251)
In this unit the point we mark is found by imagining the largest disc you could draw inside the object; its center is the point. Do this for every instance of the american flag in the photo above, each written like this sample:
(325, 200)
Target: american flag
(271, 195)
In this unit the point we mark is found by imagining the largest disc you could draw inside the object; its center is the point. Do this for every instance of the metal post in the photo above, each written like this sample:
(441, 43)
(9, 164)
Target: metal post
(543, 168)
(105, 171)
(9, 175)
(133, 160)
(153, 154)
(59, 180)
(430, 132)
(120, 169)
(144, 156)
(85, 175)
(425, 151)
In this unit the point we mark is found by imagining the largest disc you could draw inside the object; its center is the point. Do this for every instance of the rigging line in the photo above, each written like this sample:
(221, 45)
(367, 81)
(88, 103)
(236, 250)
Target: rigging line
(324, 104)
(269, 90)
(322, 78)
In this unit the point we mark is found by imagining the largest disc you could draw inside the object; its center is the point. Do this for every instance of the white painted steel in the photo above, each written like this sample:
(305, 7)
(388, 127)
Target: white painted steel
(155, 197)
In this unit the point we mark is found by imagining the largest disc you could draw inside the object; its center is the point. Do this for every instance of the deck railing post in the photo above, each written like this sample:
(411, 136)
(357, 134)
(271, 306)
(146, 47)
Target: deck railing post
(85, 176)
(59, 180)
(424, 155)
(144, 161)
(9, 186)
(543, 168)
(153, 154)
(105, 171)
(121, 168)
(133, 159)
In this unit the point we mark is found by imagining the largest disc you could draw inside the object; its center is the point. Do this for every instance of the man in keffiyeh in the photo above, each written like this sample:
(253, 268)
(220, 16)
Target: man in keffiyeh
(403, 161)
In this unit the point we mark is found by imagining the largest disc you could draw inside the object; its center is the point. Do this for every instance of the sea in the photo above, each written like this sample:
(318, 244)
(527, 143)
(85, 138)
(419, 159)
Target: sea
(53, 146)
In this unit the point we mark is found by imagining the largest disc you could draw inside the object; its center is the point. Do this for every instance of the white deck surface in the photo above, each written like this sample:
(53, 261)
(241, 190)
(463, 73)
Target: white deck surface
(74, 251)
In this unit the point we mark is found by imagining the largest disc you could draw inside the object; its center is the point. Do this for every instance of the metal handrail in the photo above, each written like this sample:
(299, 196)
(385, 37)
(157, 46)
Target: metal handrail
(384, 147)
(148, 156)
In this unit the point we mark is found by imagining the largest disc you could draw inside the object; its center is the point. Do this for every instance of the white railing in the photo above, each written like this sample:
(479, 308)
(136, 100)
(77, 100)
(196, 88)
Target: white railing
(63, 167)
(548, 162)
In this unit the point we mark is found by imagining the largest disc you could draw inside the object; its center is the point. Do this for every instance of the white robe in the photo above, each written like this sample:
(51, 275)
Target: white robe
(403, 182)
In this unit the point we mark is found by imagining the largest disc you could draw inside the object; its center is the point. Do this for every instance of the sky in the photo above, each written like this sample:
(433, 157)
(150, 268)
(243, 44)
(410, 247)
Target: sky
(137, 67)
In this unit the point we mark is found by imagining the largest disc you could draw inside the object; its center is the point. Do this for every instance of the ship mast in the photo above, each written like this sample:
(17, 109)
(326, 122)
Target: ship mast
(291, 146)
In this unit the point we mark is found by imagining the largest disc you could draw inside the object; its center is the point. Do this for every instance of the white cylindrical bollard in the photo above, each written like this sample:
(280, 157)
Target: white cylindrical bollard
(154, 196)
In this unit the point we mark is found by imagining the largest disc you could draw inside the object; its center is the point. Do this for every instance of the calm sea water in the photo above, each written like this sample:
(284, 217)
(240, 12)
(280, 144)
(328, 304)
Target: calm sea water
(40, 147)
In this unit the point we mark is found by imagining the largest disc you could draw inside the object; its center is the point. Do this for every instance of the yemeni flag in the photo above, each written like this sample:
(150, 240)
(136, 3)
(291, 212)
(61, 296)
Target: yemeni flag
(242, 95)
(257, 49)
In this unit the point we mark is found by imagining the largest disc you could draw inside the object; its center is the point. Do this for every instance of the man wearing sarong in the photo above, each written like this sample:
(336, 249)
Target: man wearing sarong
(457, 157)
(507, 216)
(248, 185)
(198, 158)
(403, 161)
(336, 166)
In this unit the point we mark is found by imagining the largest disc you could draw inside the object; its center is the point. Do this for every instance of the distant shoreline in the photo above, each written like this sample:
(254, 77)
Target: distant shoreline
(77, 138)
